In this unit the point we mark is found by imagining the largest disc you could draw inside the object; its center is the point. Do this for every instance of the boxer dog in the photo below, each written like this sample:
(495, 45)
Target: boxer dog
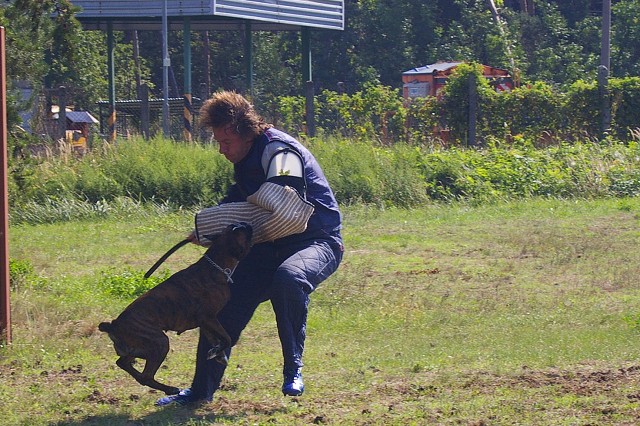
(188, 299)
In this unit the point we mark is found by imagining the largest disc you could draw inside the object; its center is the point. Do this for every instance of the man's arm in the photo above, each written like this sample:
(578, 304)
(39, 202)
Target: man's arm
(284, 166)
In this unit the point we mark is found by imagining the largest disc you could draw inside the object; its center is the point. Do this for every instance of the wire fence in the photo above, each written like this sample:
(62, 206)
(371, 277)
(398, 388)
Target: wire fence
(145, 118)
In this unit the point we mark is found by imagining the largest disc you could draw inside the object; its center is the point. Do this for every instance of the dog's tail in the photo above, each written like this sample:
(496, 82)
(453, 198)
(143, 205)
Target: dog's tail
(105, 326)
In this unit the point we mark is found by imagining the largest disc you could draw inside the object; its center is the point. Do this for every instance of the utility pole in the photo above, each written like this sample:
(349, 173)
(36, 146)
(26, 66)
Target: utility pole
(604, 70)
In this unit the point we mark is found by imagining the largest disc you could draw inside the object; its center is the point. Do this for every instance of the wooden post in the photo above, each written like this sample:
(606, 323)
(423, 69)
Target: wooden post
(309, 110)
(248, 56)
(605, 103)
(62, 113)
(111, 120)
(604, 69)
(5, 305)
(144, 111)
(473, 110)
(187, 131)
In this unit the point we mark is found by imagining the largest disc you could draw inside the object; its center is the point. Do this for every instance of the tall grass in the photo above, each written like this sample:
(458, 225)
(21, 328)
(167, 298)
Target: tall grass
(173, 174)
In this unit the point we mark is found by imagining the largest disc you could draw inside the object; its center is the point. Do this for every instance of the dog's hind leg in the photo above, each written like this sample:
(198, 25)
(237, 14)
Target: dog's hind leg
(154, 360)
(147, 377)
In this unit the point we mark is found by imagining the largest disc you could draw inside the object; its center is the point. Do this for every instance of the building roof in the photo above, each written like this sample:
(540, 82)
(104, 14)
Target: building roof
(204, 15)
(81, 117)
(430, 69)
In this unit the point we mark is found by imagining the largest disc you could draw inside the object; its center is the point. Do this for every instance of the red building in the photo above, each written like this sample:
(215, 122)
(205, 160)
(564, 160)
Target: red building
(430, 79)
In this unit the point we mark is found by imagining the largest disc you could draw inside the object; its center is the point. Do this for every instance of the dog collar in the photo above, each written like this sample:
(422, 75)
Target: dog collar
(226, 271)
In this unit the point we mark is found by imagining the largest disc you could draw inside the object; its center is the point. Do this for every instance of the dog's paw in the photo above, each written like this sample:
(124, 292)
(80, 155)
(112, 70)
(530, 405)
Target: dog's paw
(218, 354)
(213, 352)
(222, 359)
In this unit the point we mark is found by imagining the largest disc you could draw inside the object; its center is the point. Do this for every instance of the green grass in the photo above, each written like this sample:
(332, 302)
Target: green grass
(512, 313)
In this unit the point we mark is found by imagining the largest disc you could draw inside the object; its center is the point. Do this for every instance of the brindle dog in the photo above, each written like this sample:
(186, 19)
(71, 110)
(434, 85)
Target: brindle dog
(188, 299)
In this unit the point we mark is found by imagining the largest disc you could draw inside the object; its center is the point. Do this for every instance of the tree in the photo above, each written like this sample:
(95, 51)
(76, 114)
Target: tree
(625, 37)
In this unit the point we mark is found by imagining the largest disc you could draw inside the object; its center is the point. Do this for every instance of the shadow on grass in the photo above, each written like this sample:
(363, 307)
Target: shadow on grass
(174, 415)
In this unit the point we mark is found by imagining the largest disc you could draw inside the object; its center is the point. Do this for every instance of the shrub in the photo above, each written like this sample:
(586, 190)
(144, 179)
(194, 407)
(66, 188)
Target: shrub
(528, 111)
(129, 284)
(21, 274)
(625, 104)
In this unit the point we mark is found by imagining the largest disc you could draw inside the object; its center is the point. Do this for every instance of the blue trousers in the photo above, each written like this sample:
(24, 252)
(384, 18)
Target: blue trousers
(284, 275)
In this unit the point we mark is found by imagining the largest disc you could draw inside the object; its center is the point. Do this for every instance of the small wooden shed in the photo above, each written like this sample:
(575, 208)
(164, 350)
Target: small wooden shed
(430, 79)
(77, 131)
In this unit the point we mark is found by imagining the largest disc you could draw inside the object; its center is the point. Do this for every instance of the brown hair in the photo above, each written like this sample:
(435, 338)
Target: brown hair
(232, 109)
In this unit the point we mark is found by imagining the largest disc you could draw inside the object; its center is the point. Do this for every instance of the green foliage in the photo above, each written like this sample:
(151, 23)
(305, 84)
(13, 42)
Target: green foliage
(146, 177)
(145, 170)
(423, 118)
(536, 111)
(625, 38)
(456, 98)
(376, 112)
(128, 284)
(583, 99)
(22, 275)
(381, 176)
(625, 104)
(529, 110)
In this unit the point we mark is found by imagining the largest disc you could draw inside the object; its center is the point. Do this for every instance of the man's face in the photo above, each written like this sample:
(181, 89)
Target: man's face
(231, 144)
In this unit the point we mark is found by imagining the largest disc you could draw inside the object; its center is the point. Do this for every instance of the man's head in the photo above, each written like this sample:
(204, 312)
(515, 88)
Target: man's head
(234, 122)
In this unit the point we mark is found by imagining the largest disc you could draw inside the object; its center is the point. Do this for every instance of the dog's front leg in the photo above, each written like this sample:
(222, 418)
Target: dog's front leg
(219, 340)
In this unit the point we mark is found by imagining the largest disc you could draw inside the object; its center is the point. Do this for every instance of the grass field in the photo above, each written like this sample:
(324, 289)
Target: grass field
(520, 313)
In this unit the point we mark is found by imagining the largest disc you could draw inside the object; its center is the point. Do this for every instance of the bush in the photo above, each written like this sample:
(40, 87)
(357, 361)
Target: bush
(21, 274)
(129, 284)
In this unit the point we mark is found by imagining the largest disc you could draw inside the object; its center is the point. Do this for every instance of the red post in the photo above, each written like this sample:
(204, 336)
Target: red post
(5, 305)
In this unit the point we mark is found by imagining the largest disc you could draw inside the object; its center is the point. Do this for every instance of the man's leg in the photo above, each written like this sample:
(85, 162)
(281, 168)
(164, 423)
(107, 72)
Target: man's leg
(294, 280)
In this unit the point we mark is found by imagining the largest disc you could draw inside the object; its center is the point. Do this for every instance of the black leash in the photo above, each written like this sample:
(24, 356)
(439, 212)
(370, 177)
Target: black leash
(164, 257)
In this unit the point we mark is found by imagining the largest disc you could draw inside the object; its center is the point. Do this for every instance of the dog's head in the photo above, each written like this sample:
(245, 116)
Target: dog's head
(235, 240)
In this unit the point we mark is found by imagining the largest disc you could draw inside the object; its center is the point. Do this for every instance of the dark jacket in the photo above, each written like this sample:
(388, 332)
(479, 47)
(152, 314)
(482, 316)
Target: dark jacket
(249, 176)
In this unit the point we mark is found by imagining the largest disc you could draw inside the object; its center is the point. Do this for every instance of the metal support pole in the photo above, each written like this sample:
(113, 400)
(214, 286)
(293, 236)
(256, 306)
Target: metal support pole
(188, 106)
(248, 55)
(166, 63)
(5, 305)
(306, 54)
(112, 82)
(308, 81)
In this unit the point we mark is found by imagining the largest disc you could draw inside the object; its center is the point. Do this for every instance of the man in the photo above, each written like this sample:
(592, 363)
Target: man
(284, 270)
